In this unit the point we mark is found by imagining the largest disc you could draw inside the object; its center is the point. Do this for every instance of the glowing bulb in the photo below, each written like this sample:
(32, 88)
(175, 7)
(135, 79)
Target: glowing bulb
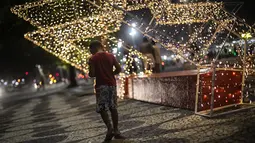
(114, 51)
(119, 44)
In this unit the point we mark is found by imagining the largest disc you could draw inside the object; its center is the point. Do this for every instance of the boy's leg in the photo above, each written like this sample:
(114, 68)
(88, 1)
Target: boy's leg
(101, 108)
(115, 115)
(106, 119)
(115, 120)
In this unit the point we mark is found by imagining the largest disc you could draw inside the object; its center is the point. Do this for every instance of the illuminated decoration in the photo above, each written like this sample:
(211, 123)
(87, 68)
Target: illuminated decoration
(227, 89)
(246, 35)
(47, 13)
(63, 24)
(166, 12)
(41, 10)
(63, 40)
(122, 79)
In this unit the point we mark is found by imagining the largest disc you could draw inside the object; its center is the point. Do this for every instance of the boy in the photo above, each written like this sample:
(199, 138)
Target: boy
(101, 66)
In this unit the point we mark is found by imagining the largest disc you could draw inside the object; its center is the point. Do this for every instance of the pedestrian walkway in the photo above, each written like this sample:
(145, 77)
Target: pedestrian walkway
(69, 119)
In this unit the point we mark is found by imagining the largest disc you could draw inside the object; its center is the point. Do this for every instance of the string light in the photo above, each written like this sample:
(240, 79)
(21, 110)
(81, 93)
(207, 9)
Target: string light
(47, 13)
(225, 92)
(173, 13)
(64, 25)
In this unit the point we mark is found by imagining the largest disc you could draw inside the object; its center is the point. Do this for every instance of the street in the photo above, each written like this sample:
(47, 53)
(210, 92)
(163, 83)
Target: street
(65, 117)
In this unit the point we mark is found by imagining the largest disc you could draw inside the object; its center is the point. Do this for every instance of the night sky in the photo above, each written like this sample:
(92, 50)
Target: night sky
(19, 55)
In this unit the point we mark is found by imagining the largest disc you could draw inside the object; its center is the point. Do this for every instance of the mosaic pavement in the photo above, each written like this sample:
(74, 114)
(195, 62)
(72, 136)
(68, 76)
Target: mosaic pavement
(64, 118)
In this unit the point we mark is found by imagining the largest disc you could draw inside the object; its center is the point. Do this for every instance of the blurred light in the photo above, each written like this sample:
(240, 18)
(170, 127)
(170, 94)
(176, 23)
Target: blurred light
(55, 81)
(57, 74)
(26, 73)
(133, 24)
(172, 56)
(16, 83)
(164, 57)
(5, 83)
(133, 32)
(35, 86)
(124, 59)
(163, 63)
(18, 80)
(13, 82)
(50, 76)
(22, 79)
(136, 59)
(115, 50)
(2, 80)
(51, 82)
(246, 35)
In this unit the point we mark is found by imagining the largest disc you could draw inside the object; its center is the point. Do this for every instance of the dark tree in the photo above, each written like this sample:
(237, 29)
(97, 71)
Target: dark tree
(72, 77)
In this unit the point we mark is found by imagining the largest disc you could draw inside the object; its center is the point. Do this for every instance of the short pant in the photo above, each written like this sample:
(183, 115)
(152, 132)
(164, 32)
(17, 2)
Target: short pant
(106, 98)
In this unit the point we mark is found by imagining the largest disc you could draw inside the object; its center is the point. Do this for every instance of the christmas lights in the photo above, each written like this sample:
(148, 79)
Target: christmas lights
(47, 13)
(227, 89)
(64, 25)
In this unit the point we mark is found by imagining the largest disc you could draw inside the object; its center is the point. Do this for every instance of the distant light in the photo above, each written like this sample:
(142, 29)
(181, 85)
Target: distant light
(5, 83)
(2, 80)
(133, 32)
(119, 44)
(164, 57)
(22, 79)
(35, 86)
(57, 74)
(114, 50)
(26, 73)
(133, 24)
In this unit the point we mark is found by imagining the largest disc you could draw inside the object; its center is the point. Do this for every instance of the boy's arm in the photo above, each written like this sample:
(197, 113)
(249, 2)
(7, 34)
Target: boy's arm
(91, 69)
(117, 66)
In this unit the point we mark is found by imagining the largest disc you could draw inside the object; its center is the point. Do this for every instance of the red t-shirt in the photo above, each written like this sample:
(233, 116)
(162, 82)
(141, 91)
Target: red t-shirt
(103, 63)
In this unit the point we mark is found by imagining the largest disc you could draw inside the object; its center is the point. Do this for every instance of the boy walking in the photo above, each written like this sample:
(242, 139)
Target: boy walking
(101, 66)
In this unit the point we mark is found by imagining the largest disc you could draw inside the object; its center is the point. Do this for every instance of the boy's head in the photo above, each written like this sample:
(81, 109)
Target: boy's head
(153, 42)
(95, 46)
(145, 39)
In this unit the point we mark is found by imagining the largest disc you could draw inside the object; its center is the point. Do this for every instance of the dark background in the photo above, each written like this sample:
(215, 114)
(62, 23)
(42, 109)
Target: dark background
(18, 55)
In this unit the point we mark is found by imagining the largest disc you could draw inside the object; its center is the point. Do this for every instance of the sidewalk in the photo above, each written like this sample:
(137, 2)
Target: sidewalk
(61, 118)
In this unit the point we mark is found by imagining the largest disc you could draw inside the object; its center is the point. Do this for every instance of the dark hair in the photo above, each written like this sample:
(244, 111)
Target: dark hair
(153, 42)
(145, 39)
(95, 44)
